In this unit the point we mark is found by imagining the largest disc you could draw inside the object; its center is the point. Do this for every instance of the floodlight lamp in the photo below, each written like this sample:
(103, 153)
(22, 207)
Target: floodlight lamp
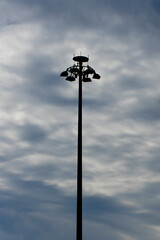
(89, 71)
(70, 78)
(86, 79)
(96, 76)
(64, 74)
(74, 70)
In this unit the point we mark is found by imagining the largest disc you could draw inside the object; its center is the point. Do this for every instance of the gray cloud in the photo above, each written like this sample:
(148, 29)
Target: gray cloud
(32, 133)
(147, 110)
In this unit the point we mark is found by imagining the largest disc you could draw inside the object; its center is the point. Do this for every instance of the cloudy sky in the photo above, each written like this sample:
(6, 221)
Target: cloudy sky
(38, 119)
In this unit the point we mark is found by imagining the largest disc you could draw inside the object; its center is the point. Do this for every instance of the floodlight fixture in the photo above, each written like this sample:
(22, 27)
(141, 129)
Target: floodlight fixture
(86, 79)
(78, 69)
(64, 74)
(74, 70)
(70, 78)
(96, 76)
(89, 71)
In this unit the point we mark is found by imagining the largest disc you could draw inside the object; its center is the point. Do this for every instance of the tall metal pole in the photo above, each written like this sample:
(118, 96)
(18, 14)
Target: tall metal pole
(83, 72)
(79, 167)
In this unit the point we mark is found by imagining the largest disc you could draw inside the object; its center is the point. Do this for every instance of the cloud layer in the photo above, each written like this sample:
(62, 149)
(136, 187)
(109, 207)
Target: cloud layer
(38, 119)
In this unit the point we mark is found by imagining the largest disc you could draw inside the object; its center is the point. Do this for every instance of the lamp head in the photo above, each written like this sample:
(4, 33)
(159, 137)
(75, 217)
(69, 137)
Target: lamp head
(70, 78)
(96, 76)
(89, 71)
(86, 79)
(74, 70)
(64, 74)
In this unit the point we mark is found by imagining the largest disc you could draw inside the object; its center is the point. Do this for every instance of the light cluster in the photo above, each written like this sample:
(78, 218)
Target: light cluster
(80, 70)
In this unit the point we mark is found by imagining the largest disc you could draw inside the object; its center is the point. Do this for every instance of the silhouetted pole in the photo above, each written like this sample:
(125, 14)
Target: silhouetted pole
(83, 72)
(79, 167)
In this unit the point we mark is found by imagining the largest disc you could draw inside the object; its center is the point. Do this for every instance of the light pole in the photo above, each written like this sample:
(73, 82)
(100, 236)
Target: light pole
(71, 74)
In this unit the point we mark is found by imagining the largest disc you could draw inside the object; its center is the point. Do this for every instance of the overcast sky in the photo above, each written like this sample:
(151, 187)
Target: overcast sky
(38, 119)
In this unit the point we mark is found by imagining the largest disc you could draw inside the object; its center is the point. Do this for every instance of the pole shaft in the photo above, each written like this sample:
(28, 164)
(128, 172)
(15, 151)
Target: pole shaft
(79, 165)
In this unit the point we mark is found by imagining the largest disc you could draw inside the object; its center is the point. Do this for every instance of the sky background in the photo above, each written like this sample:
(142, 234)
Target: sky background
(38, 119)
